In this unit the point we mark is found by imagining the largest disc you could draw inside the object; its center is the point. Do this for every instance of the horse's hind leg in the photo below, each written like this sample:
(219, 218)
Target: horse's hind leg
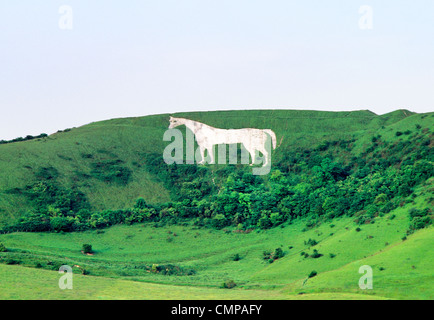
(265, 158)
(265, 154)
(252, 153)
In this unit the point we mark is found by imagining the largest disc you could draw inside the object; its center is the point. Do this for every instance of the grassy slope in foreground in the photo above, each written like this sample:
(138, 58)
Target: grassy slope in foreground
(394, 282)
(33, 284)
(121, 250)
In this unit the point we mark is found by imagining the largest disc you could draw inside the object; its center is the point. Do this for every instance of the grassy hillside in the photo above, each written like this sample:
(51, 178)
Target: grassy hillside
(346, 189)
(126, 143)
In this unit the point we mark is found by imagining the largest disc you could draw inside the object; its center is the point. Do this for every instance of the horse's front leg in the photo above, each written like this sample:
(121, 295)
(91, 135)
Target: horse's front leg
(211, 154)
(202, 155)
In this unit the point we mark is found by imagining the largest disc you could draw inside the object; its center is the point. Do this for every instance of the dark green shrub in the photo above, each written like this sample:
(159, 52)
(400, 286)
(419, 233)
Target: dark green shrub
(264, 222)
(236, 257)
(87, 248)
(266, 255)
(420, 223)
(312, 274)
(170, 269)
(140, 203)
(61, 224)
(33, 222)
(12, 261)
(418, 213)
(2, 247)
(278, 253)
(219, 221)
(272, 256)
(87, 156)
(311, 242)
(229, 284)
(316, 254)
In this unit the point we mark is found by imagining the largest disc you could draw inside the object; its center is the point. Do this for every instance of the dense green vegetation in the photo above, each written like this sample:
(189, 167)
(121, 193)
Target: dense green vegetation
(307, 182)
(334, 176)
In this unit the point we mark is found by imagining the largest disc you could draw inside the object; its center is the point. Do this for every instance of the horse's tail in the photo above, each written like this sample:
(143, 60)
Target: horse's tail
(273, 137)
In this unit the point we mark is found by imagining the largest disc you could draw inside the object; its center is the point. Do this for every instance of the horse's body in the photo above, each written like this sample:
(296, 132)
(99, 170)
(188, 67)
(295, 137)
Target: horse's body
(207, 137)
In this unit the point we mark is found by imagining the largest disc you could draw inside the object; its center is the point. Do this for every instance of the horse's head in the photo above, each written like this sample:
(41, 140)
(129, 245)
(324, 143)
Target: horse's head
(174, 122)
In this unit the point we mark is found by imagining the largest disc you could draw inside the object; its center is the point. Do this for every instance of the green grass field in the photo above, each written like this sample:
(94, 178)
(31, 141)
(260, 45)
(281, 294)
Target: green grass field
(31, 284)
(402, 269)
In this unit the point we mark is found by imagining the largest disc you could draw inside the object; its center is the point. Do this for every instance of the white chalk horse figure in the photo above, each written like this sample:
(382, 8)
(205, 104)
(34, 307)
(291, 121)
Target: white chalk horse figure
(207, 137)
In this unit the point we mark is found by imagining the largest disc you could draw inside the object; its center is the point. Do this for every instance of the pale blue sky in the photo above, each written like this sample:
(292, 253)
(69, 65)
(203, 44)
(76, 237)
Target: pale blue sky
(133, 58)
